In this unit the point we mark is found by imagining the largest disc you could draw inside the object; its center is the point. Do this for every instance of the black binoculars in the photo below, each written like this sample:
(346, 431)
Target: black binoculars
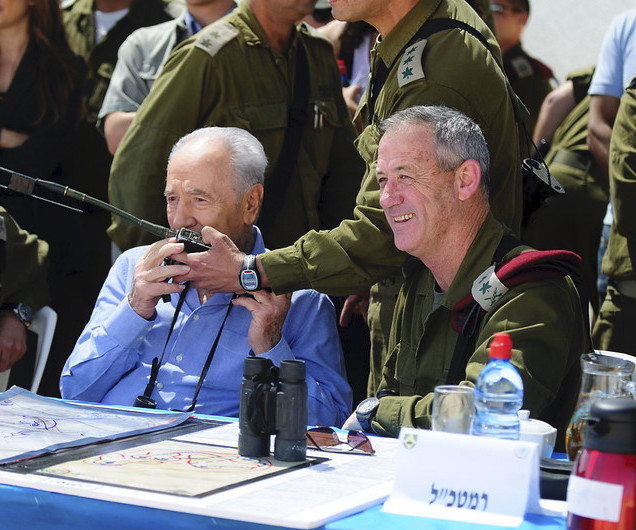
(273, 401)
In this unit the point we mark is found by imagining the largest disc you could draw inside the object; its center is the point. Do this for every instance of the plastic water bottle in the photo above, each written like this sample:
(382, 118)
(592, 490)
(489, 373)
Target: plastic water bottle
(498, 393)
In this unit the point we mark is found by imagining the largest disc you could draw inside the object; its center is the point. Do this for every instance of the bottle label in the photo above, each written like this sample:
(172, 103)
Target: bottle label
(594, 499)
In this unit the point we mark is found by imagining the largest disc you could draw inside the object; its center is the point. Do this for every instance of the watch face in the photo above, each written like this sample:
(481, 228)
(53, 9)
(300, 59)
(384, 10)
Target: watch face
(26, 313)
(249, 280)
(368, 405)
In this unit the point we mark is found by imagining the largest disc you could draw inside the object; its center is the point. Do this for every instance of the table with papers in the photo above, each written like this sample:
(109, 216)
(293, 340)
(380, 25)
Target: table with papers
(333, 491)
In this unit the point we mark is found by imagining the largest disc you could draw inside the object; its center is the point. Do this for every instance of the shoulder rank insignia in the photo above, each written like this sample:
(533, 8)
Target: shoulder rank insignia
(487, 289)
(215, 36)
(522, 67)
(3, 229)
(410, 66)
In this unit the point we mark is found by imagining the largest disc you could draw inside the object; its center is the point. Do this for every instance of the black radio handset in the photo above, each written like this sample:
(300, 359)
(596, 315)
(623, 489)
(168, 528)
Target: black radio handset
(25, 185)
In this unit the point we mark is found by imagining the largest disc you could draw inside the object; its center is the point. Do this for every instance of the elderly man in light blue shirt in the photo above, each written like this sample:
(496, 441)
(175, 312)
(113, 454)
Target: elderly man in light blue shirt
(214, 178)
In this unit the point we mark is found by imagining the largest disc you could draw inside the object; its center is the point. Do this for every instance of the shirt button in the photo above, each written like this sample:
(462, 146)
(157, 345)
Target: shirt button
(179, 358)
(159, 386)
(196, 317)
(278, 61)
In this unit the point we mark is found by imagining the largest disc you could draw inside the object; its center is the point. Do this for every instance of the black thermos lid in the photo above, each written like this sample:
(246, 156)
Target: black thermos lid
(611, 426)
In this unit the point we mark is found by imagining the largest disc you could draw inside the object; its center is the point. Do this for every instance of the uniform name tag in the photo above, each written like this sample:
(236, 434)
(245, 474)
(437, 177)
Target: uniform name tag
(410, 67)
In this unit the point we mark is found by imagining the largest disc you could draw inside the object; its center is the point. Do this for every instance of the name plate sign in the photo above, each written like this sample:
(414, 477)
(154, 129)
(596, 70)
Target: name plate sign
(465, 478)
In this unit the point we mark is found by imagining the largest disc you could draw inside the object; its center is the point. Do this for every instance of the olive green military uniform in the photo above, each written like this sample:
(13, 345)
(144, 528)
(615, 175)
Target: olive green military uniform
(23, 262)
(23, 267)
(530, 79)
(229, 75)
(614, 327)
(79, 21)
(458, 71)
(573, 220)
(482, 7)
(543, 318)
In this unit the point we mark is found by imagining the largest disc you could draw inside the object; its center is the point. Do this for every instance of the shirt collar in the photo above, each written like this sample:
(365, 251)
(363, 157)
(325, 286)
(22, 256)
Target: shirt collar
(390, 45)
(193, 26)
(478, 258)
(251, 29)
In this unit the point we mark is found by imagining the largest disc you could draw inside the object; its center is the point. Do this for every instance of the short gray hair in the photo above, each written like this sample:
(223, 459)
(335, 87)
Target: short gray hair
(456, 138)
(247, 155)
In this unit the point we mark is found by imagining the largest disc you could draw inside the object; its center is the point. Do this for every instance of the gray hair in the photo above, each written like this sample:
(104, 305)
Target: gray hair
(247, 157)
(456, 138)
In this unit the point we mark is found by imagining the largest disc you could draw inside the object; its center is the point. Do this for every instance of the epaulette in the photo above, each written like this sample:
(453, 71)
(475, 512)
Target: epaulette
(490, 286)
(215, 36)
(410, 68)
(525, 66)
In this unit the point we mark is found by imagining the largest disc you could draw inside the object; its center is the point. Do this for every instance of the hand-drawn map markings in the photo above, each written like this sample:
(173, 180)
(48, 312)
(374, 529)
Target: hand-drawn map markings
(173, 467)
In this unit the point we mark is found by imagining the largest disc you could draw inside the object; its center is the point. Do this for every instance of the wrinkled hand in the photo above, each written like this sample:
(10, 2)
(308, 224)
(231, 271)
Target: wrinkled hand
(352, 423)
(216, 270)
(357, 304)
(268, 316)
(13, 343)
(149, 281)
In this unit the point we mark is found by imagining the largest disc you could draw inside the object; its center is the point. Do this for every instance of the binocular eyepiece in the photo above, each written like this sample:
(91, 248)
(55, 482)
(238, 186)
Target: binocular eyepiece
(273, 401)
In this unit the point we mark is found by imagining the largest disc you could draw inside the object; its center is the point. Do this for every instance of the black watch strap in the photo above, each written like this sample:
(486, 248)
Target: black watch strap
(249, 277)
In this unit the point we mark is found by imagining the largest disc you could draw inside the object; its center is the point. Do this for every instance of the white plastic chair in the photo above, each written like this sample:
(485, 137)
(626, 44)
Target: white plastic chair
(43, 325)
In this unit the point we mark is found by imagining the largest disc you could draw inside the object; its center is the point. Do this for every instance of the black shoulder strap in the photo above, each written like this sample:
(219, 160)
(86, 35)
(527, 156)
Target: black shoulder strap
(296, 120)
(431, 26)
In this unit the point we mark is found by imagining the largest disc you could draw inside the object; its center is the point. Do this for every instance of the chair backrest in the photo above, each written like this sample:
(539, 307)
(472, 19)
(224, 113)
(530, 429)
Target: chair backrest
(43, 325)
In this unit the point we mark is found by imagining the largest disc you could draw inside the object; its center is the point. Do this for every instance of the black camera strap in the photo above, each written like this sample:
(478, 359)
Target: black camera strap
(279, 179)
(208, 361)
(156, 362)
(145, 400)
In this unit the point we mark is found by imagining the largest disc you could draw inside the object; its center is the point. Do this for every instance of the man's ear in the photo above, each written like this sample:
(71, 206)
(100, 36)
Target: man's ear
(468, 179)
(251, 203)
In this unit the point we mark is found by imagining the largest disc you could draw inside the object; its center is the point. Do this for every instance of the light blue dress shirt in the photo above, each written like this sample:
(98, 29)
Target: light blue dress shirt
(111, 361)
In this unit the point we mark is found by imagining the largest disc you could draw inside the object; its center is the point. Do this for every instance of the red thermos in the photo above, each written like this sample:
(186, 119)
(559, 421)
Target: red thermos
(602, 487)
